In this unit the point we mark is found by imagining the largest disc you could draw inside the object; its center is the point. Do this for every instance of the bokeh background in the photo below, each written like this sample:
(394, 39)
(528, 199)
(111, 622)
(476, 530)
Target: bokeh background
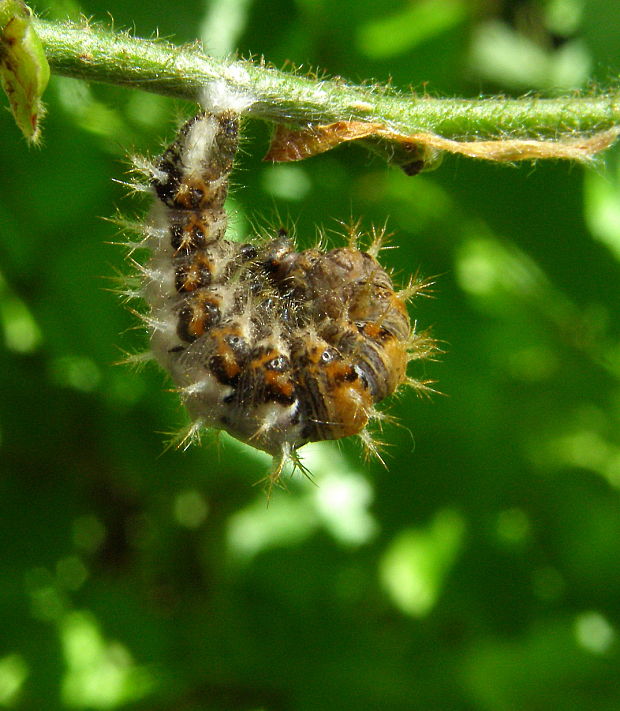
(479, 571)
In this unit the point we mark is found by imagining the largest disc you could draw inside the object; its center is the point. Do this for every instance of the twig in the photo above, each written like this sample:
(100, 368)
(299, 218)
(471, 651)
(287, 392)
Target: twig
(90, 52)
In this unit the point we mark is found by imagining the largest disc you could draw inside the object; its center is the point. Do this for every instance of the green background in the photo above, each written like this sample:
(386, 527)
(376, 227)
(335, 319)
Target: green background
(480, 570)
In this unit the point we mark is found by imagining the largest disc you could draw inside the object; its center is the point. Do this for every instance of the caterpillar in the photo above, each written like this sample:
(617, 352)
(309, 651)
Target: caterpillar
(277, 347)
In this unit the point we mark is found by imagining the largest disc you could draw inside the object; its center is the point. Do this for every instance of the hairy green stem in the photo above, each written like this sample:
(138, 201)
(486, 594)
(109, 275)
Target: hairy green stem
(96, 54)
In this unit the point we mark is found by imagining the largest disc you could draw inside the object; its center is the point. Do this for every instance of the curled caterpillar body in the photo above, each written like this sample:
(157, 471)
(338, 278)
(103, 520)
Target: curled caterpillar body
(277, 347)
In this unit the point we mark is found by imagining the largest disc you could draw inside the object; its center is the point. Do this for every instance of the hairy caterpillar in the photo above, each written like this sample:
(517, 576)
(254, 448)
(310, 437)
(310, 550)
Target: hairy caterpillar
(275, 346)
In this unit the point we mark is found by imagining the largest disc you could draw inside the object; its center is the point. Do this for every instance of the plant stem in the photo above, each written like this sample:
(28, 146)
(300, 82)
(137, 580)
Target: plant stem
(89, 52)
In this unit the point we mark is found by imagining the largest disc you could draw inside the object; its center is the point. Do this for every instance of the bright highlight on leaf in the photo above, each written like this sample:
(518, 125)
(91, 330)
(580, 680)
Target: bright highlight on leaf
(13, 673)
(602, 204)
(415, 566)
(24, 71)
(18, 326)
(593, 632)
(391, 35)
(99, 674)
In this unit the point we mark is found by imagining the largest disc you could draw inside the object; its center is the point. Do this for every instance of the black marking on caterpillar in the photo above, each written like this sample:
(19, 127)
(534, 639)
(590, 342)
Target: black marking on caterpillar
(275, 346)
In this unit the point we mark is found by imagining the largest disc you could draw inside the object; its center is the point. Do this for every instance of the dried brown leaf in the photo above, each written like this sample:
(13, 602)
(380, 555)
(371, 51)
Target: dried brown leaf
(294, 145)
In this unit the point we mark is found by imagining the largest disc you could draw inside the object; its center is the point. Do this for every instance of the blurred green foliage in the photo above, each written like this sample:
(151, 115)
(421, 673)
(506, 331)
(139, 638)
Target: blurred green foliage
(481, 569)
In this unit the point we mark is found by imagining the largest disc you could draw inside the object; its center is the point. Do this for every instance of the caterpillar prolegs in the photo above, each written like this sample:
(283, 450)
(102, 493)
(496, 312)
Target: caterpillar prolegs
(275, 346)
